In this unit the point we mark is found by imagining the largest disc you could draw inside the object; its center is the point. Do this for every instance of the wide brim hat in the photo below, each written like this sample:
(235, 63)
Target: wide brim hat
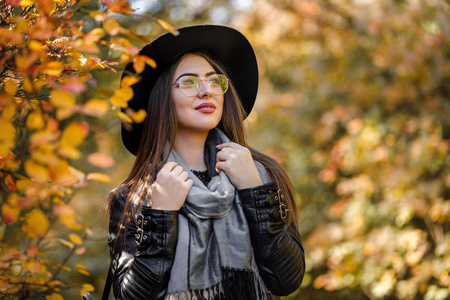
(225, 44)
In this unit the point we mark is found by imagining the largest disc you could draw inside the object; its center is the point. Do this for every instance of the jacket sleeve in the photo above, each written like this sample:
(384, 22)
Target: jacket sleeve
(142, 254)
(278, 249)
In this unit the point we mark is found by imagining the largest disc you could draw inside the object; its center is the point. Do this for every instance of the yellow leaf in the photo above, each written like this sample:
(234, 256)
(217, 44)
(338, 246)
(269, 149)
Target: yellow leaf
(94, 35)
(97, 15)
(96, 107)
(74, 134)
(76, 239)
(7, 137)
(52, 68)
(36, 224)
(83, 272)
(167, 27)
(61, 99)
(10, 87)
(124, 117)
(35, 119)
(10, 214)
(98, 177)
(121, 97)
(9, 111)
(36, 172)
(112, 27)
(69, 152)
(24, 3)
(60, 174)
(80, 266)
(139, 116)
(54, 297)
(35, 46)
(65, 112)
(86, 288)
(128, 81)
(27, 85)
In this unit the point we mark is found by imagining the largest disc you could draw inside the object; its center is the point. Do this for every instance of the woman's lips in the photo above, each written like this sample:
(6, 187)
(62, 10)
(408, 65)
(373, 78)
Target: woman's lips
(206, 108)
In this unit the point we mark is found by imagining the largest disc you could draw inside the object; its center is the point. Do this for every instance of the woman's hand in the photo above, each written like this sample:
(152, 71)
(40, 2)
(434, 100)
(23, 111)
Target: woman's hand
(237, 162)
(170, 188)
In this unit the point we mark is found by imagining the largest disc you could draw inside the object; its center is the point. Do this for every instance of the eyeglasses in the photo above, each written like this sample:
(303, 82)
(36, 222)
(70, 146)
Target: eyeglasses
(189, 85)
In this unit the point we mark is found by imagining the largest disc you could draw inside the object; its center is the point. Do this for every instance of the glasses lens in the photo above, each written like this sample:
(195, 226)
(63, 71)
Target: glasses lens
(218, 83)
(189, 85)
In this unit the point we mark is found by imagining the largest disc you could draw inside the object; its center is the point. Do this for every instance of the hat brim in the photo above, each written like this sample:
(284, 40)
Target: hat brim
(227, 45)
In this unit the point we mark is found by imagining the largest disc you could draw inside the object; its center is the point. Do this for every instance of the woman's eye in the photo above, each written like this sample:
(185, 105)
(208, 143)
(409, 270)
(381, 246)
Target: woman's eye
(188, 82)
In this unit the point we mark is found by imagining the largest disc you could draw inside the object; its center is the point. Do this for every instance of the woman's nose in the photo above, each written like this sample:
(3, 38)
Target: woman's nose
(205, 90)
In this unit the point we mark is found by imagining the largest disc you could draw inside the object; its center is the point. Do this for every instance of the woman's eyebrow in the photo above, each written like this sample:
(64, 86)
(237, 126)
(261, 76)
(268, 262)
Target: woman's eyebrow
(195, 74)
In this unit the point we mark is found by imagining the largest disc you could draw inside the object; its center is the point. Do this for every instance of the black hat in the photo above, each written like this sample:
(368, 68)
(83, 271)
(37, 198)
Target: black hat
(227, 45)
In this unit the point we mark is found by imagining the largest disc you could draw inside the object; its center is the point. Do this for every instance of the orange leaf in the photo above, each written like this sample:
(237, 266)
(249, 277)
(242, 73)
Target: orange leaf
(138, 64)
(168, 27)
(149, 61)
(32, 251)
(46, 7)
(80, 251)
(101, 160)
(34, 267)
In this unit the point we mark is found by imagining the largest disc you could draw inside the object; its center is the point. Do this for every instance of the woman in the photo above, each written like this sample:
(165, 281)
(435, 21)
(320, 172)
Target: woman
(201, 215)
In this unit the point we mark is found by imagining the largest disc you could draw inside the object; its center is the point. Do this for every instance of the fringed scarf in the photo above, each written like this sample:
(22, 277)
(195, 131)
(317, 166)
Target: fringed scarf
(214, 258)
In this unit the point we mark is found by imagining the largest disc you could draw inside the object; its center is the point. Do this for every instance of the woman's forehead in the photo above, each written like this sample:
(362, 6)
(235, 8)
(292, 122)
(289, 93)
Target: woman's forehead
(195, 64)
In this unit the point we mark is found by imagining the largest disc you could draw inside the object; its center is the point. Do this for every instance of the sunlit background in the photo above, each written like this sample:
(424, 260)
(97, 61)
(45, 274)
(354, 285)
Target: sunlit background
(354, 103)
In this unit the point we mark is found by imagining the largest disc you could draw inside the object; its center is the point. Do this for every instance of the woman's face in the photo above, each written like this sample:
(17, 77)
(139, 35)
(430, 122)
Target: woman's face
(202, 112)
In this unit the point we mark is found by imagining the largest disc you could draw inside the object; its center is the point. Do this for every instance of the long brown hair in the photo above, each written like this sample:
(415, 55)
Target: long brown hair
(160, 130)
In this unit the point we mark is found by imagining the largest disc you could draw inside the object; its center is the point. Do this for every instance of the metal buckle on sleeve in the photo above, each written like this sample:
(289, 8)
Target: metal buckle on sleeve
(140, 222)
(139, 236)
(282, 208)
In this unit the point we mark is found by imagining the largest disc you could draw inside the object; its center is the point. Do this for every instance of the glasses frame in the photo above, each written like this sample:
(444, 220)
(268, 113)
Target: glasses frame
(201, 78)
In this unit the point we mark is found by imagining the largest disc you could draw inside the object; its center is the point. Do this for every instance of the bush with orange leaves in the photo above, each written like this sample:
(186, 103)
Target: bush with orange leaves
(47, 56)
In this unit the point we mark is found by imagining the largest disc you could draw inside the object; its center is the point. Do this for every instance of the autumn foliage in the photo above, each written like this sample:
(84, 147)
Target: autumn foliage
(357, 108)
(48, 99)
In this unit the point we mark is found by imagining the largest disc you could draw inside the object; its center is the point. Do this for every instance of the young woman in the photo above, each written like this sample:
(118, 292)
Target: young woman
(201, 215)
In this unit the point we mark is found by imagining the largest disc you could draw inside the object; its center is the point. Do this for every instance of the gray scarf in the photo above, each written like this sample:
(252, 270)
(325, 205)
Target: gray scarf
(214, 258)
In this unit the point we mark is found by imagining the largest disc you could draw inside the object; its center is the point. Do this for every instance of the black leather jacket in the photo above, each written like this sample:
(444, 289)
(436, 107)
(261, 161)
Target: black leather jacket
(142, 270)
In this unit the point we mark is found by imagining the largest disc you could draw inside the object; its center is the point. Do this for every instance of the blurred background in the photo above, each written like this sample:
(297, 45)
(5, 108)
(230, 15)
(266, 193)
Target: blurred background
(354, 102)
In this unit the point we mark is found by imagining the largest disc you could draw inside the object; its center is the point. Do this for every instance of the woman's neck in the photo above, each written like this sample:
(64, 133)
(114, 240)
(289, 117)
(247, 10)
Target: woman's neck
(190, 146)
